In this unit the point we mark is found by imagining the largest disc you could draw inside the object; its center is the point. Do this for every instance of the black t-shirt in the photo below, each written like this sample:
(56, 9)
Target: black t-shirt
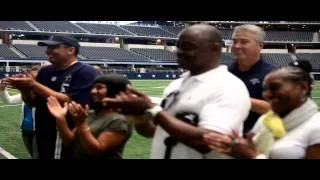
(76, 82)
(253, 80)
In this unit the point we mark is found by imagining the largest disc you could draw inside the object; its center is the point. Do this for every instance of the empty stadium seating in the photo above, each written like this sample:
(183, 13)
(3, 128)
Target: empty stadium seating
(278, 59)
(226, 34)
(148, 31)
(173, 30)
(104, 29)
(142, 54)
(5, 52)
(32, 51)
(289, 36)
(15, 25)
(277, 35)
(155, 54)
(314, 59)
(57, 26)
(110, 53)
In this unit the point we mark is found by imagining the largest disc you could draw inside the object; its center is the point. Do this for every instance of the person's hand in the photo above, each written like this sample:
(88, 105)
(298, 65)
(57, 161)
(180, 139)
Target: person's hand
(218, 142)
(77, 112)
(21, 82)
(19, 75)
(129, 102)
(243, 148)
(56, 109)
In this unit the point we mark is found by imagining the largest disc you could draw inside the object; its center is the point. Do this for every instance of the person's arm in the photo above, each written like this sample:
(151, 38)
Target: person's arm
(260, 106)
(67, 135)
(79, 89)
(6, 98)
(105, 141)
(216, 116)
(111, 137)
(28, 96)
(4, 95)
(234, 145)
(114, 131)
(313, 149)
(28, 85)
(148, 128)
(313, 152)
(45, 92)
(186, 133)
(59, 113)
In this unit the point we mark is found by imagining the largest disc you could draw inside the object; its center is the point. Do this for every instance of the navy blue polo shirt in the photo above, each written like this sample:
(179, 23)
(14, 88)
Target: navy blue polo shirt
(253, 79)
(75, 81)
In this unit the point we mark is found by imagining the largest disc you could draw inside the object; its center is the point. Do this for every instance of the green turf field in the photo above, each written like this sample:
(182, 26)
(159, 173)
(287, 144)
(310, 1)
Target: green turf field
(137, 147)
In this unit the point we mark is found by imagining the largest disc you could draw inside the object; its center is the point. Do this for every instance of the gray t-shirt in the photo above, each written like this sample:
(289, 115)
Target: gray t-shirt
(112, 122)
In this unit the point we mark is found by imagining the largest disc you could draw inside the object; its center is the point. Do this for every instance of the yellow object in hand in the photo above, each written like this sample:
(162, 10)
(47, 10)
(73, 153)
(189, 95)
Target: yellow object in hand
(275, 124)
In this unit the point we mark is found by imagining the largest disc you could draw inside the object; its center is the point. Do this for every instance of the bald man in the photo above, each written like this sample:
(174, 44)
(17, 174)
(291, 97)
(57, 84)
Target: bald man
(206, 99)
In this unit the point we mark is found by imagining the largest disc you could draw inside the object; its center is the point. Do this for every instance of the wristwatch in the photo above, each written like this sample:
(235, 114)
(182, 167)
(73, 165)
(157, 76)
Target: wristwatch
(152, 112)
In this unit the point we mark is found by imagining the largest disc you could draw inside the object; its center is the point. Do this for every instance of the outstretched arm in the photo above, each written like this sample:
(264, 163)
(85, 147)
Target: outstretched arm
(260, 106)
(28, 86)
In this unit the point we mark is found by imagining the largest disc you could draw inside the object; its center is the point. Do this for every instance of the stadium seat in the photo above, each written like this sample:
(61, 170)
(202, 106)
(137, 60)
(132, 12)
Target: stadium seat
(15, 25)
(110, 53)
(155, 54)
(104, 29)
(57, 26)
(148, 31)
(5, 52)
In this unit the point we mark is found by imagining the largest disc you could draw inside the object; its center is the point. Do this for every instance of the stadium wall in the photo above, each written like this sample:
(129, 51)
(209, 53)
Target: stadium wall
(174, 48)
(31, 42)
(24, 42)
(152, 75)
(282, 51)
(145, 46)
(130, 75)
(307, 51)
(100, 44)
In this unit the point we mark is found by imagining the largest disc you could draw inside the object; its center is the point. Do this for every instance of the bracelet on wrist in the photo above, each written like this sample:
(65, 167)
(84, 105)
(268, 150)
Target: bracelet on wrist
(84, 131)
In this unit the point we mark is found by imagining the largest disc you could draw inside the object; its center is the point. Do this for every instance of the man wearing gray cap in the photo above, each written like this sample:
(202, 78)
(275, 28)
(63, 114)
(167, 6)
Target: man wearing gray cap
(66, 79)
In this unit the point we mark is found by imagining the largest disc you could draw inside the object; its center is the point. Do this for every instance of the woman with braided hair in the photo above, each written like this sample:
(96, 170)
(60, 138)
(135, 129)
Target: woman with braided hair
(306, 66)
(290, 131)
